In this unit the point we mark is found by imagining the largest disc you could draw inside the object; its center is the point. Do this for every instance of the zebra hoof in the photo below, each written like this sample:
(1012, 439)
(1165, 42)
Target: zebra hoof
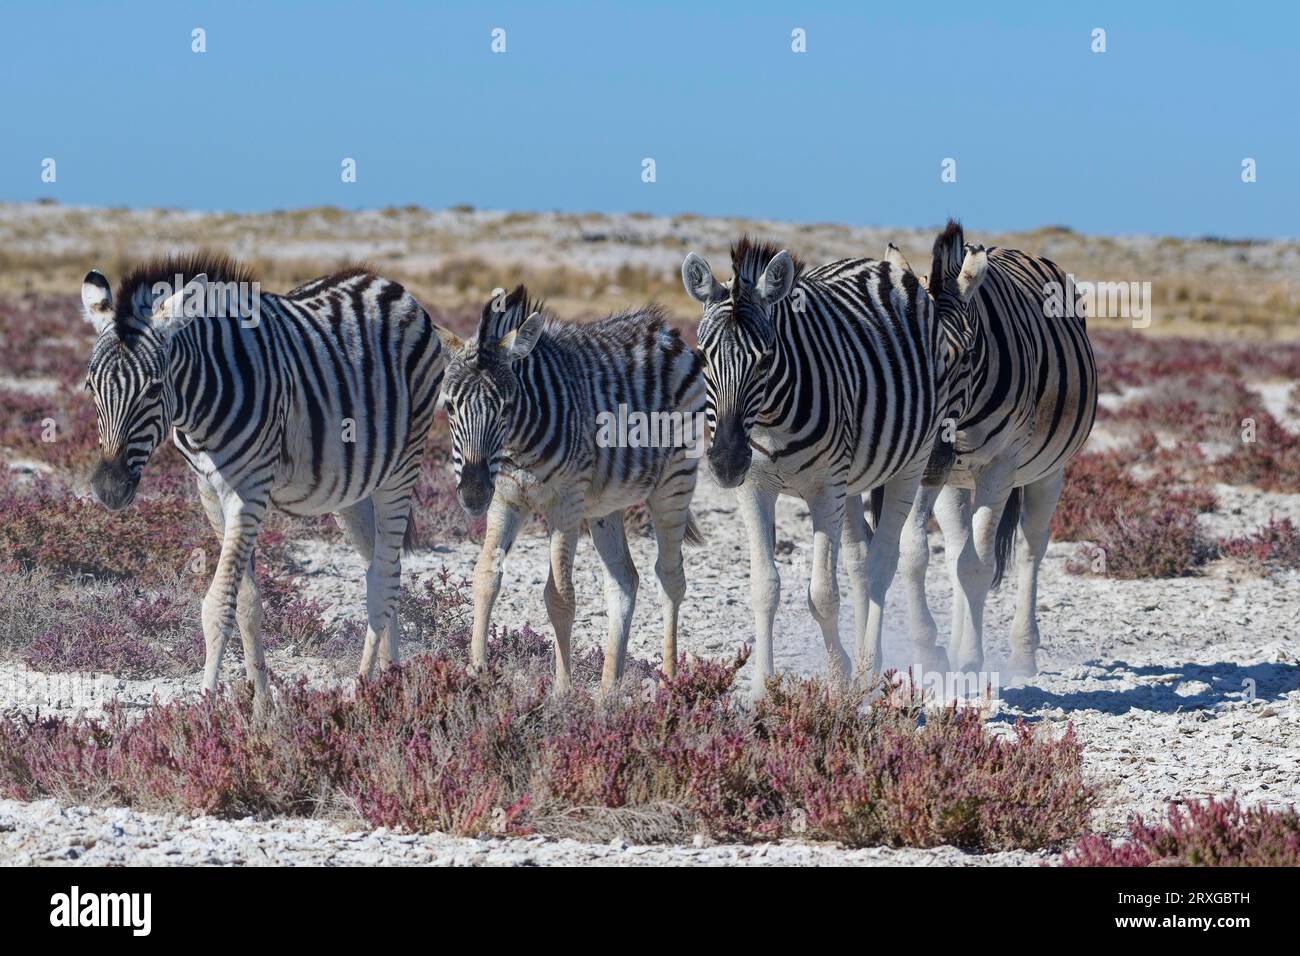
(1022, 664)
(932, 661)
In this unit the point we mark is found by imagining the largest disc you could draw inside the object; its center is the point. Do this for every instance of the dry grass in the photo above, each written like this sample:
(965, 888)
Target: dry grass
(588, 264)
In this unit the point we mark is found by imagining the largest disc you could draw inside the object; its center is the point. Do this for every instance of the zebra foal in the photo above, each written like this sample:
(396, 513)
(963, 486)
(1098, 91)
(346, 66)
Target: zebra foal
(529, 401)
(821, 383)
(315, 401)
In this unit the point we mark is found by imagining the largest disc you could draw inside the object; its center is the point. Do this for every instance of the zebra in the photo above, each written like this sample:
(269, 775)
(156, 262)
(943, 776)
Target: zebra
(821, 383)
(316, 401)
(526, 400)
(1022, 401)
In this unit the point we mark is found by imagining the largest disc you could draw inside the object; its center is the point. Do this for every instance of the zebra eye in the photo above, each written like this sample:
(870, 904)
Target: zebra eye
(154, 390)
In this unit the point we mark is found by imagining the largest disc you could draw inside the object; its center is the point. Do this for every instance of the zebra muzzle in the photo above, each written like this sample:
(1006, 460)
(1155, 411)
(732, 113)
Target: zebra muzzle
(113, 484)
(474, 490)
(730, 457)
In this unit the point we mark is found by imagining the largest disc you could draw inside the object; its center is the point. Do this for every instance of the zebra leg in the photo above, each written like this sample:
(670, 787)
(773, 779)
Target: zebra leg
(391, 509)
(358, 524)
(503, 522)
(609, 537)
(952, 509)
(882, 563)
(855, 548)
(1035, 529)
(243, 518)
(914, 554)
(671, 515)
(248, 614)
(757, 507)
(560, 601)
(248, 603)
(823, 586)
(976, 563)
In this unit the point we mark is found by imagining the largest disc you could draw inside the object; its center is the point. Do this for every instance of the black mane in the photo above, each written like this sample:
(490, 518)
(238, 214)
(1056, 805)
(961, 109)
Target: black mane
(139, 282)
(496, 324)
(947, 255)
(749, 257)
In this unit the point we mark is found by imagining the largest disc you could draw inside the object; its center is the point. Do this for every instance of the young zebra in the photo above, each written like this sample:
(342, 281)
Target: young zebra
(315, 401)
(529, 403)
(821, 384)
(1023, 403)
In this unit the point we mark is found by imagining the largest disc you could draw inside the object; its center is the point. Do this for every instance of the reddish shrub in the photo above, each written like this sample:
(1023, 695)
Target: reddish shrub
(1271, 462)
(1165, 544)
(1276, 545)
(1133, 358)
(47, 527)
(99, 646)
(429, 747)
(1210, 833)
(1145, 527)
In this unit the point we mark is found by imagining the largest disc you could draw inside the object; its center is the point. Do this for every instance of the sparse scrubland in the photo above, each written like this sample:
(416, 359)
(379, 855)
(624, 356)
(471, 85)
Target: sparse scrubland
(1193, 473)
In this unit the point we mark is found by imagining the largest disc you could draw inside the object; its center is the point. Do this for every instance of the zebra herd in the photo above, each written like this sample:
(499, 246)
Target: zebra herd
(857, 386)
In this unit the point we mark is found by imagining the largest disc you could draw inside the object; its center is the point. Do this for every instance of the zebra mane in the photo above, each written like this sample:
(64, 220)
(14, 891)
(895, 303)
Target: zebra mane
(947, 255)
(310, 287)
(501, 316)
(749, 257)
(133, 303)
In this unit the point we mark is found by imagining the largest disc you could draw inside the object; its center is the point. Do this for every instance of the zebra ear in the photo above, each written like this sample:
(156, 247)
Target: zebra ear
(699, 280)
(515, 345)
(450, 340)
(172, 313)
(96, 300)
(973, 269)
(894, 256)
(777, 279)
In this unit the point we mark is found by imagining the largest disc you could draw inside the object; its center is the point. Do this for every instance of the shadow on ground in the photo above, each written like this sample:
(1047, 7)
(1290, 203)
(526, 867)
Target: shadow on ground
(1160, 688)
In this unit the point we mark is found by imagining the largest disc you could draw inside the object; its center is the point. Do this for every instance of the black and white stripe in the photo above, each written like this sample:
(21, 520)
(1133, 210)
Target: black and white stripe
(316, 401)
(1023, 401)
(821, 384)
(525, 398)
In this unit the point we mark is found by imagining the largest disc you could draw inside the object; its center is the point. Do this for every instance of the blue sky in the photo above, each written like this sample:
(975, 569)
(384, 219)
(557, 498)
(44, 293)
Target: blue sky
(1146, 137)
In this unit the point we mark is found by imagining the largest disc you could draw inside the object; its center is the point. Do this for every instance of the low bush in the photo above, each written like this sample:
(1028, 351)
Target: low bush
(429, 747)
(1213, 832)
(1273, 547)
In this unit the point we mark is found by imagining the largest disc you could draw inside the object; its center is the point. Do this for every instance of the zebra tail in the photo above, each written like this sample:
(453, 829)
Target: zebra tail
(1006, 534)
(877, 505)
(408, 539)
(694, 536)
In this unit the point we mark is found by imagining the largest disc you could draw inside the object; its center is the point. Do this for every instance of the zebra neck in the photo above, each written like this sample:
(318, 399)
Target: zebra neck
(200, 381)
(784, 361)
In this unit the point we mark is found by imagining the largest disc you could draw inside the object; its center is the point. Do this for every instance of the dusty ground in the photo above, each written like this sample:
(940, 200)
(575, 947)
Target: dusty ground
(1156, 676)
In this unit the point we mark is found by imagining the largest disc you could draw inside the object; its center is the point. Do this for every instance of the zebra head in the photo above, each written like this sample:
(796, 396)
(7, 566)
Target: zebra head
(135, 400)
(481, 393)
(737, 339)
(957, 269)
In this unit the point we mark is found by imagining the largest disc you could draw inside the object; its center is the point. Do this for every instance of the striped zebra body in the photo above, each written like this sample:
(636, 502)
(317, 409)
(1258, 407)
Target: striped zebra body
(1028, 392)
(822, 384)
(533, 405)
(317, 401)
